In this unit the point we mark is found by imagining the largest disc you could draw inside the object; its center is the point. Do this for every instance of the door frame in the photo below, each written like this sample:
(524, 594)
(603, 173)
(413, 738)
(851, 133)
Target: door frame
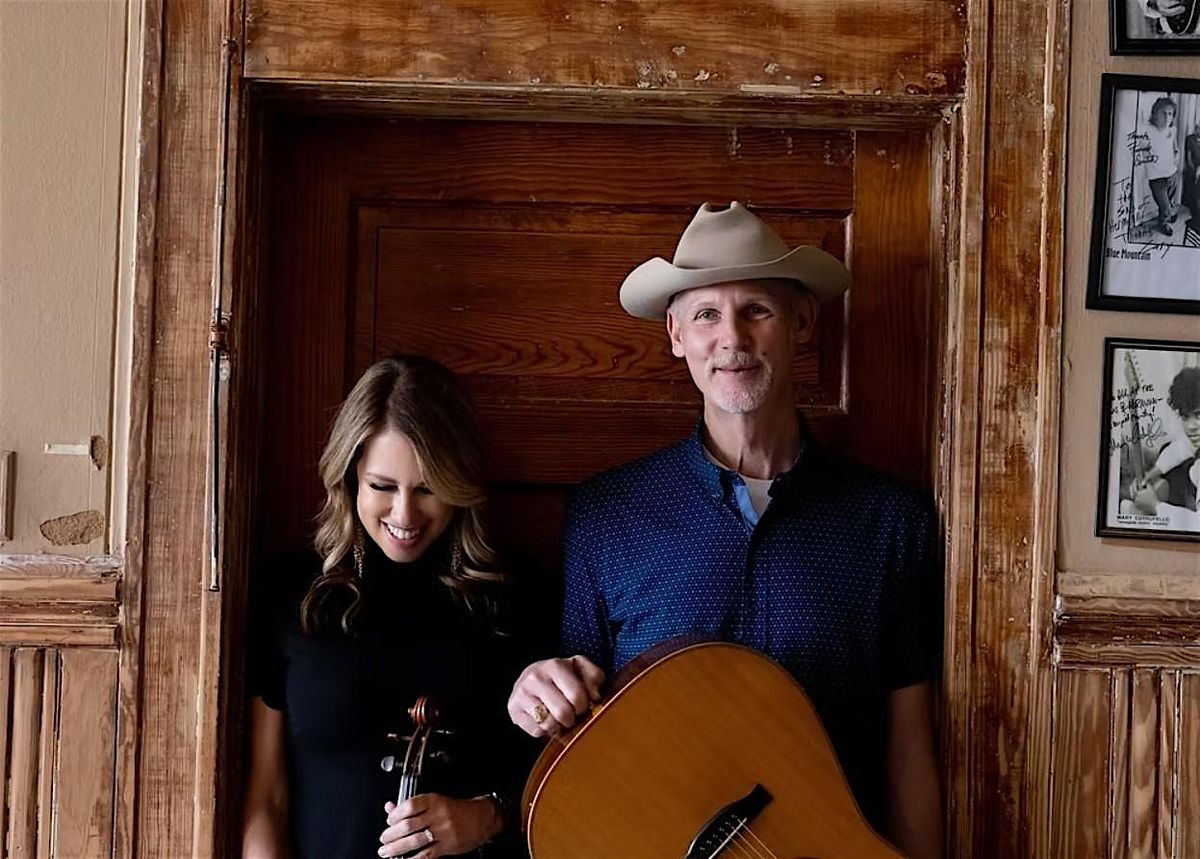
(1001, 163)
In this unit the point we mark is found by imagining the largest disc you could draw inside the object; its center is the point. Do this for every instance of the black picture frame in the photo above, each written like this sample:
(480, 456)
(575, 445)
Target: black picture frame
(1110, 208)
(1120, 42)
(1142, 401)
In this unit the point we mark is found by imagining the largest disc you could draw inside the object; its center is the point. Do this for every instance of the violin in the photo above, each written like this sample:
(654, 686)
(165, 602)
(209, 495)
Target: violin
(426, 720)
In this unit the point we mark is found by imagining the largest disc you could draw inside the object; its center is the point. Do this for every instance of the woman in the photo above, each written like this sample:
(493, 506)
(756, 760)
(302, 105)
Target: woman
(404, 601)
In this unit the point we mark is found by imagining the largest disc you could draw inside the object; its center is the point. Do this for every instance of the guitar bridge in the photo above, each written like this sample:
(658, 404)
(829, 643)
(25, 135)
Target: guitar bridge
(729, 825)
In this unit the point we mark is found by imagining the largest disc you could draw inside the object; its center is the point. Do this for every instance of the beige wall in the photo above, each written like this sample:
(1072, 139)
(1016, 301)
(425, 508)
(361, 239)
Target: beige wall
(62, 85)
(1088, 564)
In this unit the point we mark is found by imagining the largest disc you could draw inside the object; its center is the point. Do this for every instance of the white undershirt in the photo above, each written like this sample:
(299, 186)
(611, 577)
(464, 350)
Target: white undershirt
(758, 487)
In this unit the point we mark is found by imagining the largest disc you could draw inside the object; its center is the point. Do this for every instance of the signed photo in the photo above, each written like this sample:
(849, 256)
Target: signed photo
(1146, 222)
(1155, 26)
(1150, 450)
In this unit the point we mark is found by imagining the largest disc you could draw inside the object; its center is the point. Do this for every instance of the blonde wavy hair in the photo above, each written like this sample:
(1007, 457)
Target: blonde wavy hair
(421, 399)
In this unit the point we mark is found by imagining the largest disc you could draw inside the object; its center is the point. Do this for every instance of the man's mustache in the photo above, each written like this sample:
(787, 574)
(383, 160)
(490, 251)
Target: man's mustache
(731, 361)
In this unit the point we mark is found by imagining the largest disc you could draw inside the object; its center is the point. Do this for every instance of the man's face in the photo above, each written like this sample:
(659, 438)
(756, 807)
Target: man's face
(738, 340)
(1191, 428)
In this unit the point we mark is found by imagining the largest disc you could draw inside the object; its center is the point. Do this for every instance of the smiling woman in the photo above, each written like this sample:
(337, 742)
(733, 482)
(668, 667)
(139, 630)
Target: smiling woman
(402, 608)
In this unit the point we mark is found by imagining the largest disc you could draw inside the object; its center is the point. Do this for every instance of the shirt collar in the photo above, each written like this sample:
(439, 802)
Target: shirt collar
(716, 480)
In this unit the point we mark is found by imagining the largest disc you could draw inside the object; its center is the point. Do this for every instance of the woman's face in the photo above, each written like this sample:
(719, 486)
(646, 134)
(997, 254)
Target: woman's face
(396, 508)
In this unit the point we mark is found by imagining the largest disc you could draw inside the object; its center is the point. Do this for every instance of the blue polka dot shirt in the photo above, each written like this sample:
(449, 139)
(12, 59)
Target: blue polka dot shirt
(838, 581)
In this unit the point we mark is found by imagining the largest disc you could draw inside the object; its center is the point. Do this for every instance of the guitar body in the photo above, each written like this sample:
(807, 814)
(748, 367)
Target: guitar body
(699, 729)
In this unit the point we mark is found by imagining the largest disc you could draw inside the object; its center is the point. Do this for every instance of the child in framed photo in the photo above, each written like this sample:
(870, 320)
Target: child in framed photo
(1151, 440)
(1146, 224)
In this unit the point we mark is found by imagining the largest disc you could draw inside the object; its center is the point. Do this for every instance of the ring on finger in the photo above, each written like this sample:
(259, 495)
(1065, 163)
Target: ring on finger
(539, 713)
(429, 836)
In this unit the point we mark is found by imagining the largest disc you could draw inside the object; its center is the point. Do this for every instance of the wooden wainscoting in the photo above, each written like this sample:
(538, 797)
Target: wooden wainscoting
(1126, 729)
(58, 706)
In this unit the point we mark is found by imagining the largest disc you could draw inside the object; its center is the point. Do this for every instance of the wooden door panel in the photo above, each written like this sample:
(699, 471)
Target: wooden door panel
(498, 248)
(1126, 769)
(58, 750)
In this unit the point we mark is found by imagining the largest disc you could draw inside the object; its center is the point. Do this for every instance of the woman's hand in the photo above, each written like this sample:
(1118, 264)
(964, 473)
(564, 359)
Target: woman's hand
(431, 824)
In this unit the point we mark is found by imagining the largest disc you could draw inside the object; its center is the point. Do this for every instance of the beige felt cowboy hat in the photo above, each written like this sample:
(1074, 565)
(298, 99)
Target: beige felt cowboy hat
(721, 245)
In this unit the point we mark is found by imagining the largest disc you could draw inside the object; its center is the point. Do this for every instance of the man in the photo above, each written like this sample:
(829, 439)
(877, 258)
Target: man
(1191, 175)
(1163, 164)
(1169, 488)
(1164, 18)
(747, 532)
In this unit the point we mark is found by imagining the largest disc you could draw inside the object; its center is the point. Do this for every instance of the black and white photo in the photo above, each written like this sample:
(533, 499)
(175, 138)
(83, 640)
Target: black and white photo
(1145, 252)
(1150, 446)
(1155, 26)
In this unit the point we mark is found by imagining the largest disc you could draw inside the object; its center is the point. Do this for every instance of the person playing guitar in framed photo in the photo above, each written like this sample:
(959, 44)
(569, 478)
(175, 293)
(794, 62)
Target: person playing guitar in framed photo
(748, 532)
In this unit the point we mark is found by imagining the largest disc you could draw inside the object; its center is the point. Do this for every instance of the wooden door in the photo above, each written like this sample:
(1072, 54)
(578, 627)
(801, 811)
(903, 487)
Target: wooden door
(498, 248)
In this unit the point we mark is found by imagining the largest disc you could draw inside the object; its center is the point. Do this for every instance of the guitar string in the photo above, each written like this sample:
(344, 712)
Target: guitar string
(765, 849)
(731, 848)
(739, 839)
(750, 832)
(731, 841)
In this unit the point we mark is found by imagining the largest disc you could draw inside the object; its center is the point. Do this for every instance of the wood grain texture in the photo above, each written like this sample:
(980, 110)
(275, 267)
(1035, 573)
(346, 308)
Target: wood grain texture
(14, 567)
(858, 46)
(147, 20)
(1187, 838)
(29, 671)
(1119, 761)
(1168, 763)
(1020, 181)
(1144, 766)
(6, 718)
(83, 763)
(1082, 723)
(174, 629)
(498, 247)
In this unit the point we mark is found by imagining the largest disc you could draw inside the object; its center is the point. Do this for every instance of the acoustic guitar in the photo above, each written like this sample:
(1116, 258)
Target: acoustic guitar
(712, 751)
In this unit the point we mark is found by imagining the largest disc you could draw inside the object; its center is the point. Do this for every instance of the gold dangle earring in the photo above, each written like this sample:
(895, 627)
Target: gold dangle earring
(456, 557)
(359, 551)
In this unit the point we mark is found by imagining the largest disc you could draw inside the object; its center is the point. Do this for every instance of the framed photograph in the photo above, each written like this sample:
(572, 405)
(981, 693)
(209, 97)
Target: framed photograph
(1150, 440)
(1145, 253)
(1154, 26)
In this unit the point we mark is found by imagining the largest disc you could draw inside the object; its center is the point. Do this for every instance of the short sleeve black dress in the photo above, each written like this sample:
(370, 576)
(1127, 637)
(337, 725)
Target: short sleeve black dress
(343, 694)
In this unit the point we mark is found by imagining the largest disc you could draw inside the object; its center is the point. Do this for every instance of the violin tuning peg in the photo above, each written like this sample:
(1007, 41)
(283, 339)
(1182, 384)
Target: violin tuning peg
(388, 763)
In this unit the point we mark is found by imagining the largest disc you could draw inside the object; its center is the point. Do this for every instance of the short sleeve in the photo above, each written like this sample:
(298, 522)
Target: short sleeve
(912, 607)
(584, 618)
(275, 595)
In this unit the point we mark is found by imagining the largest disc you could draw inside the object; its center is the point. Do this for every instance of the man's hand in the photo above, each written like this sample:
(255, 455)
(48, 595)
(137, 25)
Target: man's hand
(550, 695)
(1168, 7)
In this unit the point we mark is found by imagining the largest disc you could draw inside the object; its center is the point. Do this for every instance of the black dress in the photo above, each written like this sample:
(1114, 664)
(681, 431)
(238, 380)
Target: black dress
(343, 694)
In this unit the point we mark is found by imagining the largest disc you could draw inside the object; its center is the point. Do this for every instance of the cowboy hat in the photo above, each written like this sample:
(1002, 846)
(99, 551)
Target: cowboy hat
(721, 245)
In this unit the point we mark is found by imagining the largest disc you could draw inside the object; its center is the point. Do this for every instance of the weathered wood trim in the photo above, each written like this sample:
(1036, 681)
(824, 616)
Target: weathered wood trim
(59, 566)
(1001, 526)
(899, 47)
(1056, 86)
(1125, 586)
(146, 24)
(96, 589)
(765, 106)
(64, 633)
(1121, 632)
